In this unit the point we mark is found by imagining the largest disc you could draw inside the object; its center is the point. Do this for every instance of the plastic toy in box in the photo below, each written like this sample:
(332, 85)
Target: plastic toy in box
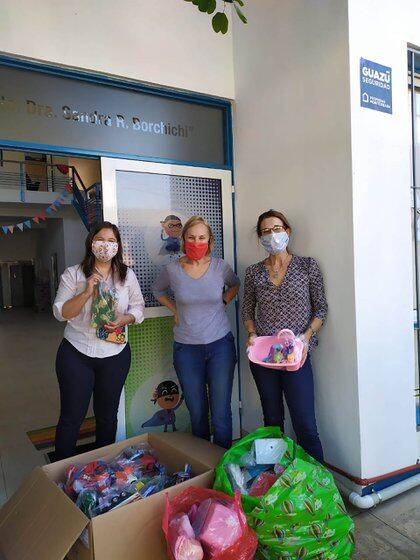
(96, 475)
(134, 474)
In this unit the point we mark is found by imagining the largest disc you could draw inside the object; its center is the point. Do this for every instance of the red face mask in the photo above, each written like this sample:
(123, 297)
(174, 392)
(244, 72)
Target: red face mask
(196, 251)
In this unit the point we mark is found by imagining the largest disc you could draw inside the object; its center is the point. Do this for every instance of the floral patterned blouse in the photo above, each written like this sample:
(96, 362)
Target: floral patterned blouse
(292, 305)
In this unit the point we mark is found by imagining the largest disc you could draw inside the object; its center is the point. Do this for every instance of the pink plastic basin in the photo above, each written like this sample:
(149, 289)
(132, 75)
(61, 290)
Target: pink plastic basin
(261, 348)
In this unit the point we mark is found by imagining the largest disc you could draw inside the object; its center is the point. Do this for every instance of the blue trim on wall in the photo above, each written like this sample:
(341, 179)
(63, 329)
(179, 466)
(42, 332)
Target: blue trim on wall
(377, 486)
(125, 83)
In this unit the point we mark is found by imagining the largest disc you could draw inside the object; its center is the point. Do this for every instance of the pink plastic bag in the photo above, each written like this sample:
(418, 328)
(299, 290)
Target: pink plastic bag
(182, 539)
(221, 529)
(222, 511)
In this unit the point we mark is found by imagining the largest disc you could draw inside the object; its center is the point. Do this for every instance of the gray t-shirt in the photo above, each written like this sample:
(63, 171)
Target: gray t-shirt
(199, 301)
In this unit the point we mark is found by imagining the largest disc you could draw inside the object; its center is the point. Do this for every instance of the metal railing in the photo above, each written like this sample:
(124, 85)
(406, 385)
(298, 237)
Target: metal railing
(53, 178)
(16, 175)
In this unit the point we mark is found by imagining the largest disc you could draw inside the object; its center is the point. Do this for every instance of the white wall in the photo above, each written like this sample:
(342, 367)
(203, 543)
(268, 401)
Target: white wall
(166, 42)
(340, 173)
(74, 238)
(20, 246)
(382, 237)
(293, 153)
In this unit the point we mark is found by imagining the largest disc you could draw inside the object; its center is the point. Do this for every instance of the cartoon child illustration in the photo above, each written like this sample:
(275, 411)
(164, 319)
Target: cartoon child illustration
(170, 235)
(167, 397)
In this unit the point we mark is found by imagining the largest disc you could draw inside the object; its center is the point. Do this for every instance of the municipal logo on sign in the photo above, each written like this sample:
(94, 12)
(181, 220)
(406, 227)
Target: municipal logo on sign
(375, 86)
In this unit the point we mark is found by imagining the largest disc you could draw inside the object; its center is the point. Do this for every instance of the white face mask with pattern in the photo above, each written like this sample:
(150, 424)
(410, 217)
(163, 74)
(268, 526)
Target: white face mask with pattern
(104, 251)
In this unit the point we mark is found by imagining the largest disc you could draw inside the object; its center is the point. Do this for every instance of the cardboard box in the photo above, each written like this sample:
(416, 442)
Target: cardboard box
(40, 522)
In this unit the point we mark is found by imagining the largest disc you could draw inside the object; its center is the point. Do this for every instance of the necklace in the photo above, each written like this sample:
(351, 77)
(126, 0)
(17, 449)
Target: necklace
(277, 270)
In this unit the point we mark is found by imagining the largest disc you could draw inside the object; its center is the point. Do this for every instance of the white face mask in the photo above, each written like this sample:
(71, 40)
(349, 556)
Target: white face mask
(275, 243)
(104, 251)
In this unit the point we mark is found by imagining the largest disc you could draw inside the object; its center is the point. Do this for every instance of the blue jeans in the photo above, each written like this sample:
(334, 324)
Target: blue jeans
(205, 372)
(298, 389)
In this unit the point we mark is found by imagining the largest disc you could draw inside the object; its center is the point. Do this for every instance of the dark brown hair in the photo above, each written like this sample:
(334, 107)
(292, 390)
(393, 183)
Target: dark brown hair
(88, 263)
(271, 214)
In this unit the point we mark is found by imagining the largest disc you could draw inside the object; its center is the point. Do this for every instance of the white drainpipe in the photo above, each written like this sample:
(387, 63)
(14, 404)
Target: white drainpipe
(371, 500)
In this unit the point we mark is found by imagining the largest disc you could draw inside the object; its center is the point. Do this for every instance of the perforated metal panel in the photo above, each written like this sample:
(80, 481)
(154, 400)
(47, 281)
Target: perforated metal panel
(144, 200)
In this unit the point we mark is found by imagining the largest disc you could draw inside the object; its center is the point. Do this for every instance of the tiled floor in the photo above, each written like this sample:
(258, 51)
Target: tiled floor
(29, 400)
(390, 531)
(28, 390)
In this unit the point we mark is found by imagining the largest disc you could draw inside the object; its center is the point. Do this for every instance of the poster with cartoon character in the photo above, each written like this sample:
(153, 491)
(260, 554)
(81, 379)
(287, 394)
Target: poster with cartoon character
(168, 399)
(171, 236)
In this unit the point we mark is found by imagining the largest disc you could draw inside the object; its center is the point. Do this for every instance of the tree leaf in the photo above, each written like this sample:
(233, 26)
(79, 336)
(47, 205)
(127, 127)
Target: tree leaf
(195, 2)
(203, 5)
(211, 6)
(224, 24)
(216, 22)
(220, 23)
(240, 3)
(240, 14)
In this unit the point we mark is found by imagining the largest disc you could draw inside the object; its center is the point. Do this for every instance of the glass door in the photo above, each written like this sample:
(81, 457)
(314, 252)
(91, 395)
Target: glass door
(150, 202)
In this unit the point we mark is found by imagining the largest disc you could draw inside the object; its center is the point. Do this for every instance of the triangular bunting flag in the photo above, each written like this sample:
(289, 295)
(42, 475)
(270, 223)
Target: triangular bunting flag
(68, 187)
(42, 216)
(57, 202)
(20, 226)
(5, 229)
(49, 210)
(54, 207)
(28, 224)
(11, 228)
(36, 219)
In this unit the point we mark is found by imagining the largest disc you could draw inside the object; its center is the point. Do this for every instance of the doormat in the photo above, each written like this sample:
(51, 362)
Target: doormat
(45, 437)
(82, 448)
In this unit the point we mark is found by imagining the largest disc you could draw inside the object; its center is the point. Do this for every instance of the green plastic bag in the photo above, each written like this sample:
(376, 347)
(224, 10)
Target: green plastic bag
(302, 515)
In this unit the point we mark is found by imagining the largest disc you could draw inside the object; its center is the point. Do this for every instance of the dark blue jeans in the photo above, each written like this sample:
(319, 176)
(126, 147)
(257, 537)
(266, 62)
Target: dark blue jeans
(298, 390)
(205, 372)
(79, 376)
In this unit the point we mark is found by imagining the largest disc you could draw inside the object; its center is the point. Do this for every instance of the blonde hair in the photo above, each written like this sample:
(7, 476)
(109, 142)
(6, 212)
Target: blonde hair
(194, 221)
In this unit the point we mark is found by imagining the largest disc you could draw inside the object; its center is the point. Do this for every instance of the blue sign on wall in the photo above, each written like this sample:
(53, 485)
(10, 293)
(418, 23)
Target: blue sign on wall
(375, 86)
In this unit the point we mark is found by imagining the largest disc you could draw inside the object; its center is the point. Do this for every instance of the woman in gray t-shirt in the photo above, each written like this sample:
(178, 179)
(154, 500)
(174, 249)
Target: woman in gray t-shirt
(204, 347)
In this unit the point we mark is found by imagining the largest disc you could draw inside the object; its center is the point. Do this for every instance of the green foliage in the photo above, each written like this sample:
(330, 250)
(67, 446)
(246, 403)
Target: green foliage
(220, 22)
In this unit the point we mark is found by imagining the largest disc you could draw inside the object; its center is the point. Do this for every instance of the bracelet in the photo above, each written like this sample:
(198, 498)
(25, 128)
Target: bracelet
(251, 333)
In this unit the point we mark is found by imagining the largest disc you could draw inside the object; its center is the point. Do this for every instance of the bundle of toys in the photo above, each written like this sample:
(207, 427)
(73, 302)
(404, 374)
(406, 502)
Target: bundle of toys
(104, 306)
(205, 524)
(256, 471)
(135, 473)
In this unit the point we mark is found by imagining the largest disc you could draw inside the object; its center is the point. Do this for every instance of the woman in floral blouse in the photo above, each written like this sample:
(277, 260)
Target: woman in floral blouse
(285, 291)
